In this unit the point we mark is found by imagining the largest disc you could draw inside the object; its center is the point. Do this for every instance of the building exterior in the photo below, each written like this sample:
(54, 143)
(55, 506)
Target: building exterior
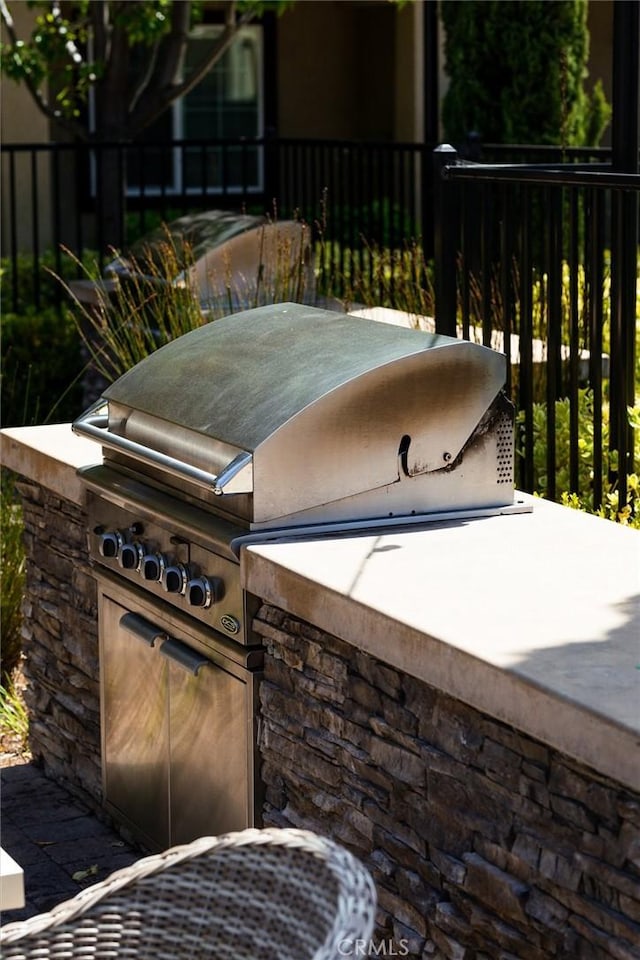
(361, 70)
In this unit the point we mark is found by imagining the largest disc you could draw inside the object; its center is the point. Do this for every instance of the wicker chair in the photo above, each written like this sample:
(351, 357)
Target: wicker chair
(254, 895)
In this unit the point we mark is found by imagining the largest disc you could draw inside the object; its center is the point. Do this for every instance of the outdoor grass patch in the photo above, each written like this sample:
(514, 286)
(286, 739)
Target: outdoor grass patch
(374, 276)
(14, 720)
(145, 311)
(12, 576)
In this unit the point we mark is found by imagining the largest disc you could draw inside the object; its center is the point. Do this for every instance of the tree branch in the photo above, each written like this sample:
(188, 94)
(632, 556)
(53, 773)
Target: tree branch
(164, 68)
(42, 103)
(72, 50)
(111, 94)
(8, 22)
(173, 46)
(219, 48)
(99, 12)
(123, 107)
(168, 90)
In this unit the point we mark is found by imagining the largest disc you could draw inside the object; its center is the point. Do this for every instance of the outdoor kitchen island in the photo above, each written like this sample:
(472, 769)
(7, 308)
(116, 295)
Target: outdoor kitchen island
(457, 704)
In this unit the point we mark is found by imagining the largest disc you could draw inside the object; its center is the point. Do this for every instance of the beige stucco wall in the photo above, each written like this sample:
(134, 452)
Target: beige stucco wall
(22, 122)
(348, 69)
(20, 119)
(409, 74)
(600, 23)
(336, 70)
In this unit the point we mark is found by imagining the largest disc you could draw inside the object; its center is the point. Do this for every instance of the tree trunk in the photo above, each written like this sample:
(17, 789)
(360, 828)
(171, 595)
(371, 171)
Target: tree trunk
(111, 185)
(112, 105)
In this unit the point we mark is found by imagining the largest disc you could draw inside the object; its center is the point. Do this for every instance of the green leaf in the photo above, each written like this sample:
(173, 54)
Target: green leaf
(80, 875)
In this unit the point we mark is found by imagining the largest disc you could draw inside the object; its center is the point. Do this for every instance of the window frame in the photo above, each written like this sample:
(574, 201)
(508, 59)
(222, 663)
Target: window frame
(175, 184)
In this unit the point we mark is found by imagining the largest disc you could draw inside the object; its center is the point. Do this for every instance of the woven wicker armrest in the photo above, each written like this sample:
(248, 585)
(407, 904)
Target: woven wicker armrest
(253, 895)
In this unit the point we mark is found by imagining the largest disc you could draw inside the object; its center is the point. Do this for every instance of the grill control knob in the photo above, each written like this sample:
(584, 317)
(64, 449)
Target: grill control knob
(175, 578)
(203, 591)
(152, 566)
(110, 544)
(130, 556)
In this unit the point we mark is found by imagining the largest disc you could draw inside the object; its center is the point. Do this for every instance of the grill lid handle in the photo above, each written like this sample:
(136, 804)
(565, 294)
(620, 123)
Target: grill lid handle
(236, 477)
(226, 476)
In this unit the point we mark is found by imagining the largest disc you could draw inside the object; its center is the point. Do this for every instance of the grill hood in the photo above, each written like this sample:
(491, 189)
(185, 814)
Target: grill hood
(289, 414)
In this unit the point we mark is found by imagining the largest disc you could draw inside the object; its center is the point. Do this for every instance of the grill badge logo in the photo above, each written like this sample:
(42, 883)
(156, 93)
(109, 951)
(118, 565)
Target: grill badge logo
(230, 624)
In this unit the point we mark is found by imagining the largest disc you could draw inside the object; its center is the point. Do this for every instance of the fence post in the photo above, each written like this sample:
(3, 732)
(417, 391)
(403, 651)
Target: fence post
(625, 142)
(446, 229)
(271, 192)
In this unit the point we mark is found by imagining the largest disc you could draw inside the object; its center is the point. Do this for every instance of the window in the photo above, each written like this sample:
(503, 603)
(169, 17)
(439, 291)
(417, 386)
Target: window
(226, 104)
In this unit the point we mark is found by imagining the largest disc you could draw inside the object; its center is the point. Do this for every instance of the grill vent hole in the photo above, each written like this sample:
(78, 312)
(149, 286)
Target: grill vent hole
(504, 451)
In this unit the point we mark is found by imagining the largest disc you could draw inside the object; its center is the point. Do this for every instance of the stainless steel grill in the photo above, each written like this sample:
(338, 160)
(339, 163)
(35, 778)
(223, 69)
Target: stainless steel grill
(283, 421)
(289, 415)
(223, 256)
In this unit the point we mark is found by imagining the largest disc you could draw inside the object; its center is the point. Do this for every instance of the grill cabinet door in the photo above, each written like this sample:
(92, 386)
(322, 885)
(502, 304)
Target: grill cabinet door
(208, 735)
(135, 727)
(177, 731)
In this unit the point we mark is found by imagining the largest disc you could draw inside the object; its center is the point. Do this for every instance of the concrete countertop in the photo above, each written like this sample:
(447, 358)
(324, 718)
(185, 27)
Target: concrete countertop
(45, 454)
(532, 618)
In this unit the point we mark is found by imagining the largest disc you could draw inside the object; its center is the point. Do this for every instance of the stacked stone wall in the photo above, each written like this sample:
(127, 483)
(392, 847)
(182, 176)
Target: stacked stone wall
(60, 643)
(484, 843)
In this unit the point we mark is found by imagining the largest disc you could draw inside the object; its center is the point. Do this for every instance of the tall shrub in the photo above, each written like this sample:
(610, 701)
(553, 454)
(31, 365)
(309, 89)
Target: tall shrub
(517, 72)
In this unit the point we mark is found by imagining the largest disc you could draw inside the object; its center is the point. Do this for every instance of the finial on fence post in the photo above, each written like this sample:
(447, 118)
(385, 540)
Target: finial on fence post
(446, 229)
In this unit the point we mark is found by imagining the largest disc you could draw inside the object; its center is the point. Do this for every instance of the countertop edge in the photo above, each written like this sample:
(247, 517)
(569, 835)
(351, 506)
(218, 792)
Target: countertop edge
(588, 737)
(49, 455)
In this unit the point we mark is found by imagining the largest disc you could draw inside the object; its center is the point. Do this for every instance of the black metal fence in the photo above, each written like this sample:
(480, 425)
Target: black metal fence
(542, 262)
(355, 194)
(535, 252)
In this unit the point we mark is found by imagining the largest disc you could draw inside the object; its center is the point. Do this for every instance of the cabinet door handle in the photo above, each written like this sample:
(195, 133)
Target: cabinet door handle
(183, 655)
(141, 628)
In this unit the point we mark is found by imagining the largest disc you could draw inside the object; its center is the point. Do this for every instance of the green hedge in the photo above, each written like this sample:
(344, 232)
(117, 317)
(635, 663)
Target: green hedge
(39, 347)
(20, 279)
(41, 367)
(626, 513)
(517, 73)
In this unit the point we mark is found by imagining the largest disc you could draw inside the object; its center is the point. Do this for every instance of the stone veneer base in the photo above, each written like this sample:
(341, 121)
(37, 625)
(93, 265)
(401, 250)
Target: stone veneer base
(483, 842)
